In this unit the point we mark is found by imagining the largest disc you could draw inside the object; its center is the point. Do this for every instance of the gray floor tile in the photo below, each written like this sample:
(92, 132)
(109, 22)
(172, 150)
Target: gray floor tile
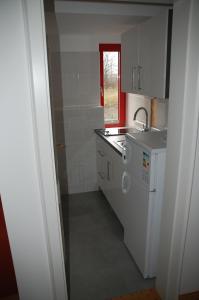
(100, 265)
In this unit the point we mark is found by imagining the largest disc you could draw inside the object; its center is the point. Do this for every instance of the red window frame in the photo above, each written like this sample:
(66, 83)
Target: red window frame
(122, 96)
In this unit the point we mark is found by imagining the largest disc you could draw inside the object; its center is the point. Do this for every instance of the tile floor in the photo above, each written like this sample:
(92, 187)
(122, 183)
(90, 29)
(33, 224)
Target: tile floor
(99, 264)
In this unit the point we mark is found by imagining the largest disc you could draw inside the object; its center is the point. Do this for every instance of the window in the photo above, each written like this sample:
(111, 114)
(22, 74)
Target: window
(112, 98)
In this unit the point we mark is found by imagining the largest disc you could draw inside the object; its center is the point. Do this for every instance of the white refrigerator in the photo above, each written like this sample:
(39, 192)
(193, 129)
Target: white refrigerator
(143, 186)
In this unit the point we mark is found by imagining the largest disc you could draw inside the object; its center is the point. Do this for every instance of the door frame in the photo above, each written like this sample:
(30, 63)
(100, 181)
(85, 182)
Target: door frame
(181, 146)
(35, 36)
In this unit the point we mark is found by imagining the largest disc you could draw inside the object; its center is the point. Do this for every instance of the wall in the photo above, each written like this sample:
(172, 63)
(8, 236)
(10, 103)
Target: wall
(8, 284)
(19, 182)
(190, 267)
(181, 147)
(56, 95)
(161, 110)
(28, 185)
(84, 43)
(81, 107)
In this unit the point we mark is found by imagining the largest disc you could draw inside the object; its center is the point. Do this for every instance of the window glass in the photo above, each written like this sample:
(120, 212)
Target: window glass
(111, 88)
(112, 98)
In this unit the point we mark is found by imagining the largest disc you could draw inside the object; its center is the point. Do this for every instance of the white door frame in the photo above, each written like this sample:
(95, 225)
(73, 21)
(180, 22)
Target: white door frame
(37, 53)
(28, 184)
(181, 150)
(181, 146)
(183, 103)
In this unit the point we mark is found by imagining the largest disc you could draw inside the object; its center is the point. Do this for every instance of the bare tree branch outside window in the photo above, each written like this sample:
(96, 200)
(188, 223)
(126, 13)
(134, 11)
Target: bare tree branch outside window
(110, 60)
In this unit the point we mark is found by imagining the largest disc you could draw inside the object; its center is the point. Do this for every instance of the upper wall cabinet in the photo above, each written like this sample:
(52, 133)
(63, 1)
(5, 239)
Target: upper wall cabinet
(129, 60)
(146, 57)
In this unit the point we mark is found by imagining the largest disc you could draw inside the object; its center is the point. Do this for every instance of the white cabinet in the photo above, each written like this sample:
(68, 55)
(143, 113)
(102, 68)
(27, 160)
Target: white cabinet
(129, 60)
(117, 199)
(101, 164)
(110, 169)
(146, 57)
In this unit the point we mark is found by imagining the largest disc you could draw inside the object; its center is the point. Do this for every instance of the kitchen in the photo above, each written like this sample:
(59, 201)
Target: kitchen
(174, 179)
(80, 74)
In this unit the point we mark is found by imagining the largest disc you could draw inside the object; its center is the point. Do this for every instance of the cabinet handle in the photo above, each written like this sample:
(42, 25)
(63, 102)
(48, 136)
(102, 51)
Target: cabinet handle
(100, 175)
(133, 78)
(101, 153)
(139, 77)
(108, 170)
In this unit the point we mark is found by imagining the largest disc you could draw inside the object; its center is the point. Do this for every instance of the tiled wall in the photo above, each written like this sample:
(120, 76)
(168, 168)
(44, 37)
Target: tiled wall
(79, 125)
(76, 93)
(55, 81)
(80, 78)
(82, 114)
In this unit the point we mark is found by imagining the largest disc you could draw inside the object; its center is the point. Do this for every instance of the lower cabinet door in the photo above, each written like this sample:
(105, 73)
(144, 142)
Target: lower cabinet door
(101, 157)
(109, 171)
(118, 201)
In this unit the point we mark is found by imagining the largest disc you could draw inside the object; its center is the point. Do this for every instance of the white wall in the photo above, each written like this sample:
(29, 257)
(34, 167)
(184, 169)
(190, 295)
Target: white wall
(56, 95)
(181, 143)
(80, 78)
(135, 101)
(19, 183)
(22, 184)
(81, 107)
(190, 267)
(88, 43)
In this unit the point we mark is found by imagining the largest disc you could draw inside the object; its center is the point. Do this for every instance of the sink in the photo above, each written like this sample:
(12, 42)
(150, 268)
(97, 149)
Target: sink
(121, 143)
(119, 131)
(138, 129)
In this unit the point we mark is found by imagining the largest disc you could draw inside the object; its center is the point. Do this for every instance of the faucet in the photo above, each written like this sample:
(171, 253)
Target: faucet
(146, 128)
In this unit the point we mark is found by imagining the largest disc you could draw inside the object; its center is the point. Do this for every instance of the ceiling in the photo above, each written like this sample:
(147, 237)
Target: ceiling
(95, 24)
(103, 17)
(126, 1)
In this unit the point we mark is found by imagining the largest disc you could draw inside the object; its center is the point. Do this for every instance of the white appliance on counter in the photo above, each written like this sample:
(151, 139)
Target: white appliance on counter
(143, 185)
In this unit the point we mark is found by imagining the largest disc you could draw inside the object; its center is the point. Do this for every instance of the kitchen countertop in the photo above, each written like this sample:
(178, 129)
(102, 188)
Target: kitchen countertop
(148, 139)
(111, 140)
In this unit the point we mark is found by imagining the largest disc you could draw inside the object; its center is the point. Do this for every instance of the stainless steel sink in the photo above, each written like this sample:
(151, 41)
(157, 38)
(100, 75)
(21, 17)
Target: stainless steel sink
(121, 142)
(121, 131)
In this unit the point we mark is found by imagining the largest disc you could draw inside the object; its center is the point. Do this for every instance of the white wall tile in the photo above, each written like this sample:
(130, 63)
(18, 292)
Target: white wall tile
(80, 78)
(79, 125)
(81, 115)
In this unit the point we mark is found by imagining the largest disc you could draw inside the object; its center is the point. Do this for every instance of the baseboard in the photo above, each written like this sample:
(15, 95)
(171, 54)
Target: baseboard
(191, 296)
